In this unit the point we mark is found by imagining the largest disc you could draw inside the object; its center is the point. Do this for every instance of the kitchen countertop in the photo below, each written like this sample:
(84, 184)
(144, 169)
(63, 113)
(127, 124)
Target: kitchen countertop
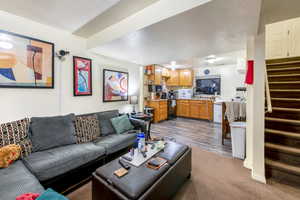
(158, 100)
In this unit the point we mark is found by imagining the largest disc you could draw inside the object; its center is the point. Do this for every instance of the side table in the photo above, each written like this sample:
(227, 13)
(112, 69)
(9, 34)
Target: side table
(148, 119)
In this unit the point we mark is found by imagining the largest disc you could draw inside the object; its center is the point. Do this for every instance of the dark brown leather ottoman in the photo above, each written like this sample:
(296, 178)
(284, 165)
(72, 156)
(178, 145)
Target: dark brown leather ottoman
(142, 182)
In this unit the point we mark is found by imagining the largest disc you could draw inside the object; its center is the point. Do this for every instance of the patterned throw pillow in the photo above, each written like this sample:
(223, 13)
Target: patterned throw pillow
(87, 128)
(8, 154)
(16, 132)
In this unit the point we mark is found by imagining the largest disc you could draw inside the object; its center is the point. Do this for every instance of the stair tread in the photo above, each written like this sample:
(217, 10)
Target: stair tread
(284, 133)
(285, 90)
(284, 82)
(283, 148)
(283, 63)
(283, 75)
(283, 69)
(286, 109)
(285, 99)
(283, 166)
(283, 120)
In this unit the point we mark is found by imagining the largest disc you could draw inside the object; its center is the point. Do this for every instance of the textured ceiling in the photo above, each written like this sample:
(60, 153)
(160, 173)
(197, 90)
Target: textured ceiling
(65, 14)
(213, 28)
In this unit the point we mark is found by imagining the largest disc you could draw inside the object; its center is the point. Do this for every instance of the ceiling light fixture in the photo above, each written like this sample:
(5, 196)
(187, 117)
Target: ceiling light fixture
(4, 37)
(6, 45)
(173, 65)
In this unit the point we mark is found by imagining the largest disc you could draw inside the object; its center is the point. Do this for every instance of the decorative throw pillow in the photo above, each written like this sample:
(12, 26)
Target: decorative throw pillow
(121, 124)
(51, 194)
(50, 132)
(8, 154)
(87, 128)
(16, 132)
(28, 196)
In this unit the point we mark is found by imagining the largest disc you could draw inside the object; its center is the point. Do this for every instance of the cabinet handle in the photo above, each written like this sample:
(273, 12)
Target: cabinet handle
(288, 53)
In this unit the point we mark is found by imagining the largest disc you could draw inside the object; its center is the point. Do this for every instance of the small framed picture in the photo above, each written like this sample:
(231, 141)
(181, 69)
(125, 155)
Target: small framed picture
(82, 69)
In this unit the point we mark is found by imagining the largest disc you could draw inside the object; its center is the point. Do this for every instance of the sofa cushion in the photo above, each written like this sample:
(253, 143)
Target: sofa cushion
(54, 162)
(16, 180)
(16, 132)
(106, 127)
(49, 132)
(114, 143)
(121, 124)
(86, 128)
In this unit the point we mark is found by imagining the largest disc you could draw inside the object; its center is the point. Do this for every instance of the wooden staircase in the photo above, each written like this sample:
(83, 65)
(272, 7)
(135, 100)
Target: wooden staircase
(282, 125)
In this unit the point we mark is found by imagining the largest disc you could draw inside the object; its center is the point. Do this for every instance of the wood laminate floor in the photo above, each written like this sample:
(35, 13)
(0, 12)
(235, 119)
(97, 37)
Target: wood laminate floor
(200, 133)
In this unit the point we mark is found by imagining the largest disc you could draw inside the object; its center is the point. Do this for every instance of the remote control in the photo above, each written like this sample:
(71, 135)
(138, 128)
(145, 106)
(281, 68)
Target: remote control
(152, 146)
(127, 158)
(124, 165)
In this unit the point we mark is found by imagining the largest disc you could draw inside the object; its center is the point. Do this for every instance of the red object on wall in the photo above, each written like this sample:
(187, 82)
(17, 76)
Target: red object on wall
(250, 72)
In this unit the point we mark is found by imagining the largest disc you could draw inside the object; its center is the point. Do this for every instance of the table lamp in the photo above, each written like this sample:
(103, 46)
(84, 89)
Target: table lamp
(133, 100)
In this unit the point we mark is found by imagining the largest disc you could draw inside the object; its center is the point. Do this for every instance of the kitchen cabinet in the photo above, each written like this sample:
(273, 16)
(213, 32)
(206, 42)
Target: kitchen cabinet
(283, 39)
(183, 108)
(173, 79)
(158, 75)
(186, 77)
(154, 73)
(160, 110)
(197, 109)
(165, 72)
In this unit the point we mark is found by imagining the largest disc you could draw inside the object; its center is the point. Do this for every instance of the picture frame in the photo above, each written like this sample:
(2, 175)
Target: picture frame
(25, 62)
(115, 85)
(82, 76)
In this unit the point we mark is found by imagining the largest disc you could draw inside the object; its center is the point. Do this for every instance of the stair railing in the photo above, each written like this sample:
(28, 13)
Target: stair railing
(268, 94)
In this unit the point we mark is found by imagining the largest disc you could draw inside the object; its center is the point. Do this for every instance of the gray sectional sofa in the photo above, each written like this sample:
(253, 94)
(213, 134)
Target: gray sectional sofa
(69, 165)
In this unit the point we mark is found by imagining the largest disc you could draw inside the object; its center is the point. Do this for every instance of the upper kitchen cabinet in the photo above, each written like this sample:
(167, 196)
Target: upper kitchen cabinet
(158, 75)
(154, 73)
(283, 39)
(165, 72)
(173, 79)
(186, 77)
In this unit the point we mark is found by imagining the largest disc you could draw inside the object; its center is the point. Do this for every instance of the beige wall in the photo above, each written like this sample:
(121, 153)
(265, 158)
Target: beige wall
(18, 103)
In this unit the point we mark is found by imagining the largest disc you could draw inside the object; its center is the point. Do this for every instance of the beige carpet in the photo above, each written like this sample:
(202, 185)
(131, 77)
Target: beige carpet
(216, 177)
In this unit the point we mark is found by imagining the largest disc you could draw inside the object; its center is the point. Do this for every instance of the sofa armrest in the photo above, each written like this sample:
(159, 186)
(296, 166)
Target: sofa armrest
(139, 124)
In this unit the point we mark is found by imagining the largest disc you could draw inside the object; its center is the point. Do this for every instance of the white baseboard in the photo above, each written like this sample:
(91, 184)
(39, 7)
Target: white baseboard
(247, 164)
(259, 178)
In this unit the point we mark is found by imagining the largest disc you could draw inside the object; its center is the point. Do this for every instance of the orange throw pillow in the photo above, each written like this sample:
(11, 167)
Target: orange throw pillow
(8, 154)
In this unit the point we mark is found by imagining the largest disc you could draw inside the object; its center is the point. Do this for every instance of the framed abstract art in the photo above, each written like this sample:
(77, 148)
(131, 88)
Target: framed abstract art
(115, 86)
(82, 71)
(25, 62)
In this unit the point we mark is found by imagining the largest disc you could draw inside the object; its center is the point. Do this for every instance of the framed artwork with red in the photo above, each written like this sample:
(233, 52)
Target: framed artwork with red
(82, 69)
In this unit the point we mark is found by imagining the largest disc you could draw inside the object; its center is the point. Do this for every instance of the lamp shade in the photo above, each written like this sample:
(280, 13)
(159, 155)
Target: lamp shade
(133, 99)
